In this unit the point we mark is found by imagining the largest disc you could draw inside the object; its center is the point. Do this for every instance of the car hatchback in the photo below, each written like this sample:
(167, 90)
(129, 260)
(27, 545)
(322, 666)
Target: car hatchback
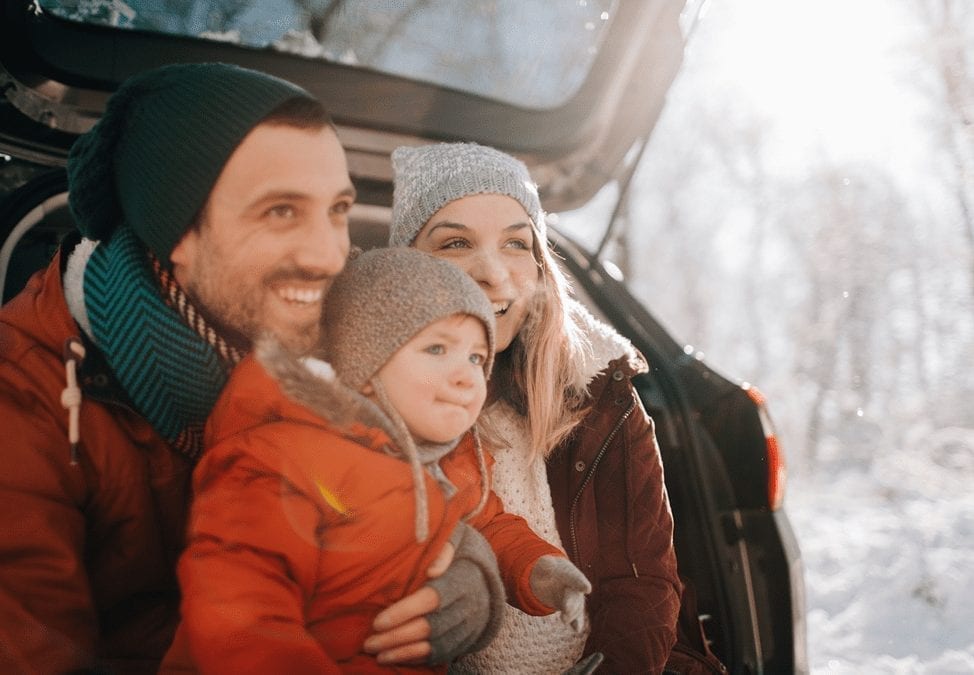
(573, 89)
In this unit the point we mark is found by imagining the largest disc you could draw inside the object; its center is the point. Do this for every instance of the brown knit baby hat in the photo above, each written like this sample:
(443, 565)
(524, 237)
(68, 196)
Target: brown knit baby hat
(386, 296)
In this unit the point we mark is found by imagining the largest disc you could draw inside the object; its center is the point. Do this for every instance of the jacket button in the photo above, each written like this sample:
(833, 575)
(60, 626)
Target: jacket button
(100, 380)
(579, 466)
(617, 375)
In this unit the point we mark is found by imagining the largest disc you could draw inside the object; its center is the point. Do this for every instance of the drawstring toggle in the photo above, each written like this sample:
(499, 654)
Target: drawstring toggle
(74, 352)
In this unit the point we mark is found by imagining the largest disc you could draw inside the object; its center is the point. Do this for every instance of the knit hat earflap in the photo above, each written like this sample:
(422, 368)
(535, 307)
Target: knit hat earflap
(154, 156)
(383, 298)
(430, 176)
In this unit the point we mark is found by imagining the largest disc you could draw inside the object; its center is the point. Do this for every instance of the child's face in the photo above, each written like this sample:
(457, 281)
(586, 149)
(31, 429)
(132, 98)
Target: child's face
(436, 381)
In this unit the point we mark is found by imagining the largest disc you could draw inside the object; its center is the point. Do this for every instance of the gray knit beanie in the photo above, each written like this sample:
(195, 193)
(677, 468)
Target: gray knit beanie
(430, 176)
(153, 157)
(383, 298)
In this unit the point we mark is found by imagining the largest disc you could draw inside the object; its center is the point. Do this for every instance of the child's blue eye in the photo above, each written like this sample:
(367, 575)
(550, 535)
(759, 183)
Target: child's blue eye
(435, 349)
(478, 359)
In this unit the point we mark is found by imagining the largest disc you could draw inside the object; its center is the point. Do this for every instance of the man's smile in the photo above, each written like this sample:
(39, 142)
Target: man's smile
(300, 295)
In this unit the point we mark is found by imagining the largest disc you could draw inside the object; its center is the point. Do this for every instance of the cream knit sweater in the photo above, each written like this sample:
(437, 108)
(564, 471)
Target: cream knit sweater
(525, 644)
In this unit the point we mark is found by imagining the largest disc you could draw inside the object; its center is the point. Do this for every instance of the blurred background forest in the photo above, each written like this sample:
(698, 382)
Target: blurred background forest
(804, 216)
(807, 206)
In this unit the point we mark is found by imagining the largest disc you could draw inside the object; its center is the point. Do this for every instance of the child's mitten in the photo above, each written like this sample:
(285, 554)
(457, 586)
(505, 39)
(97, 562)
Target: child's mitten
(558, 583)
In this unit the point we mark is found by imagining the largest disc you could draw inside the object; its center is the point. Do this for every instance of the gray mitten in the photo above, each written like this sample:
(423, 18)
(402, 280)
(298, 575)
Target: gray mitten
(471, 599)
(558, 583)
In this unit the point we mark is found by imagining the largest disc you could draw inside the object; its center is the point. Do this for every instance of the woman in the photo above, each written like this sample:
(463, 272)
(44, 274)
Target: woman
(575, 452)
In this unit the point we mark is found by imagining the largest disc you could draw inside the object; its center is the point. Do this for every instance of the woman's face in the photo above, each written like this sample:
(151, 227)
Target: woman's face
(490, 237)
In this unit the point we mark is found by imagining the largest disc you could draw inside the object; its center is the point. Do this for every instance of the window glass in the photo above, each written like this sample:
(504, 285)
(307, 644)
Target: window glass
(531, 53)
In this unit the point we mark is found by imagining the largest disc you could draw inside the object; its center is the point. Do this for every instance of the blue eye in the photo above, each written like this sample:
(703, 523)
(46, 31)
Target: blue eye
(478, 359)
(436, 350)
(455, 243)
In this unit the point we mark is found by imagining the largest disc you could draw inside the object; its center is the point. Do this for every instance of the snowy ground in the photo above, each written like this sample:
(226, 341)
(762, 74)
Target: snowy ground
(889, 561)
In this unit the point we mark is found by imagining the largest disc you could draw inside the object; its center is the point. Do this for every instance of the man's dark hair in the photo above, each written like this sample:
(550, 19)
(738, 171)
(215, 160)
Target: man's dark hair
(300, 112)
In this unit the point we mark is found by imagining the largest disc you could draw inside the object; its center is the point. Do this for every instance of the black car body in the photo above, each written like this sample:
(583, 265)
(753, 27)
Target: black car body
(724, 472)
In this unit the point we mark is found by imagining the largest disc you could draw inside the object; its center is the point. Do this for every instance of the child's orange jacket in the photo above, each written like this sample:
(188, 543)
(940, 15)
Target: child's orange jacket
(300, 533)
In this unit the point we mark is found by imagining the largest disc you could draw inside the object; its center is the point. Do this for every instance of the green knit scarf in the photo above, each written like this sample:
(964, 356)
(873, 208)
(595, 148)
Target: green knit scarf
(172, 375)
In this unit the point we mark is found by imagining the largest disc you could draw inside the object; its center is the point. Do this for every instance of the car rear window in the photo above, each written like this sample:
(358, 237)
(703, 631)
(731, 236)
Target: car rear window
(530, 53)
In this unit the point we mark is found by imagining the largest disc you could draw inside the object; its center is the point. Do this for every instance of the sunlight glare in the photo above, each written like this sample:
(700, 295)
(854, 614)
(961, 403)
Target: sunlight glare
(821, 72)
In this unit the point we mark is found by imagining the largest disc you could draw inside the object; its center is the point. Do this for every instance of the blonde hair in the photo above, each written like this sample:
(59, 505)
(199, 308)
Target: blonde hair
(538, 374)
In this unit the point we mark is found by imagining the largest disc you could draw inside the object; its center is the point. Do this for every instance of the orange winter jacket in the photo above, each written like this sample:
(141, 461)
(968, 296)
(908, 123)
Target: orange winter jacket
(87, 550)
(301, 532)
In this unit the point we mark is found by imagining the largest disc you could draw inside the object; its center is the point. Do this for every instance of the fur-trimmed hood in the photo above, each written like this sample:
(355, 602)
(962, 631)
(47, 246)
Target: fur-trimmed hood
(603, 345)
(312, 383)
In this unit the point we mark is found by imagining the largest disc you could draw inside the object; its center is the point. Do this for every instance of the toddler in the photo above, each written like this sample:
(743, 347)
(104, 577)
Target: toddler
(329, 485)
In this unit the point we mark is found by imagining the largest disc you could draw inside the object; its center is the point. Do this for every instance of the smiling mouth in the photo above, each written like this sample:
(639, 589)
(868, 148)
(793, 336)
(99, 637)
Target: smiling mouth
(500, 308)
(300, 296)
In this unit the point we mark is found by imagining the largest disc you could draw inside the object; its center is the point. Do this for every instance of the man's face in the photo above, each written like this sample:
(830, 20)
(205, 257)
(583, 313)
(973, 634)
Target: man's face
(273, 234)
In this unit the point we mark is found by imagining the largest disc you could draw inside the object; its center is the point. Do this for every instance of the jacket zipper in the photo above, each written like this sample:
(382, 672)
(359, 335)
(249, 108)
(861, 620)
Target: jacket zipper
(588, 477)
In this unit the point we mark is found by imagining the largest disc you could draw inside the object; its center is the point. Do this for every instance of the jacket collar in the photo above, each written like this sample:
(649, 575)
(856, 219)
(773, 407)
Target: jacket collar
(94, 374)
(313, 384)
(605, 348)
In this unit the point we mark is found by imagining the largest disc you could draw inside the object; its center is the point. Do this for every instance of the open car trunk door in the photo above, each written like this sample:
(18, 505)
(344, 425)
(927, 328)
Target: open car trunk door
(571, 88)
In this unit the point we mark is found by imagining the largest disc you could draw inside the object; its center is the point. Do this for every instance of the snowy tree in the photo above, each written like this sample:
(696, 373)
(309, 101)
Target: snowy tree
(948, 36)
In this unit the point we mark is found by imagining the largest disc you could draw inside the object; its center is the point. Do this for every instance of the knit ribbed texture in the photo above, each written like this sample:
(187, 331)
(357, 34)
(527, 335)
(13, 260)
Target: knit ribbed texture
(383, 298)
(524, 644)
(171, 374)
(160, 146)
(175, 297)
(429, 177)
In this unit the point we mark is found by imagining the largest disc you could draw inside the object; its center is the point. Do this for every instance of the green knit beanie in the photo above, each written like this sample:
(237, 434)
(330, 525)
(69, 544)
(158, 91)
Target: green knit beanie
(152, 159)
(386, 296)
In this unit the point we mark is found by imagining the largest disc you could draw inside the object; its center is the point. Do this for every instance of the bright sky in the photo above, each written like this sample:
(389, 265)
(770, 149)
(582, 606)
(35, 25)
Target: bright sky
(829, 73)
(828, 82)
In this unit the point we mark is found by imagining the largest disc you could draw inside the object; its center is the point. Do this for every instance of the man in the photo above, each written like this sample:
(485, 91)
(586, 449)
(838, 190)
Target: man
(213, 201)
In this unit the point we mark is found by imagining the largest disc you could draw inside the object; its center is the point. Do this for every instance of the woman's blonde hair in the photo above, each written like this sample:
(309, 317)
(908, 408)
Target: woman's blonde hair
(538, 375)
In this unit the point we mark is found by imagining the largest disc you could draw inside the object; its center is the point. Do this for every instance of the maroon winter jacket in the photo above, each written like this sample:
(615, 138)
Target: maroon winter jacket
(614, 519)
